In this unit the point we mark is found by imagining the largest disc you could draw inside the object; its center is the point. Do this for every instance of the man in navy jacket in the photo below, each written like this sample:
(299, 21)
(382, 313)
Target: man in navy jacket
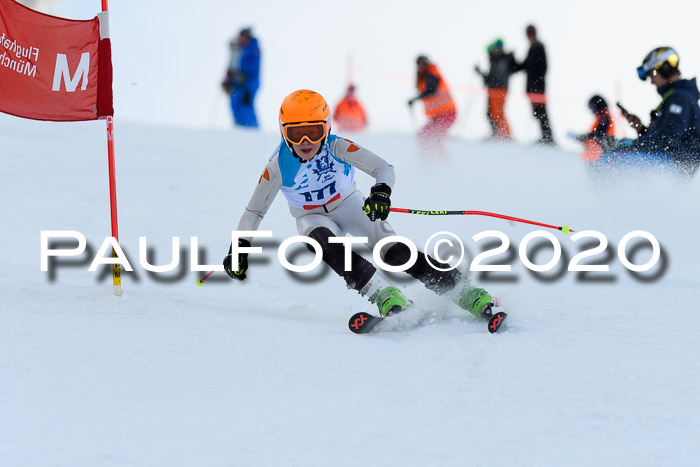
(675, 123)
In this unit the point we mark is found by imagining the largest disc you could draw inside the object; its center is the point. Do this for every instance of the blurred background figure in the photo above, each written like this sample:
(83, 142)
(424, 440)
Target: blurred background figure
(535, 66)
(601, 137)
(501, 66)
(439, 106)
(349, 114)
(243, 78)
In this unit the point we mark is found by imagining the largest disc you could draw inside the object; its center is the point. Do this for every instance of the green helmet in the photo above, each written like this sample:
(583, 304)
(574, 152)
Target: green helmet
(495, 45)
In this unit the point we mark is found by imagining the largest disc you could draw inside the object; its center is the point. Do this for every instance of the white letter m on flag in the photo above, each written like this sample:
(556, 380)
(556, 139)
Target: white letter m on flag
(62, 72)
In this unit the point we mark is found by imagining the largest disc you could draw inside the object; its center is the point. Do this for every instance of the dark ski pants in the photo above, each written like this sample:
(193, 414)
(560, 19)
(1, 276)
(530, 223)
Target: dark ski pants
(539, 110)
(362, 270)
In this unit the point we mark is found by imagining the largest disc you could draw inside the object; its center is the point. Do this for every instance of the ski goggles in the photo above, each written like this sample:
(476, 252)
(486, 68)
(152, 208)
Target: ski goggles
(313, 132)
(670, 56)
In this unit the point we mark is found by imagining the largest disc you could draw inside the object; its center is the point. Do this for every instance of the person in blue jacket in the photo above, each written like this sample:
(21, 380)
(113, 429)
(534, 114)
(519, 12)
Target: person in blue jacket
(243, 78)
(675, 124)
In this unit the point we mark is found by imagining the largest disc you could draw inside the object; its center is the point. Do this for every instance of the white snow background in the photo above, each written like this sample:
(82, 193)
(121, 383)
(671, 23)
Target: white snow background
(601, 370)
(265, 372)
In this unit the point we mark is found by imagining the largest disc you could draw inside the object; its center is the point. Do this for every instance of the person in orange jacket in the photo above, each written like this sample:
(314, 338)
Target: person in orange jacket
(439, 106)
(349, 114)
(601, 137)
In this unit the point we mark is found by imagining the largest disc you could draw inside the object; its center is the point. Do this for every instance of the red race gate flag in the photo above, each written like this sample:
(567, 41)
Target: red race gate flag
(54, 68)
(60, 70)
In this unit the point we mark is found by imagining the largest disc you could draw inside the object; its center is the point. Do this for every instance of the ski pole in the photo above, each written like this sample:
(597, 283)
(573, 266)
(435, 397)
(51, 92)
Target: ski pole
(200, 282)
(564, 229)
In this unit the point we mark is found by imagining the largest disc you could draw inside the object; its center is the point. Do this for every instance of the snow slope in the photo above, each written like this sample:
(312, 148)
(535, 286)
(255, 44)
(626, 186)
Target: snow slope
(600, 370)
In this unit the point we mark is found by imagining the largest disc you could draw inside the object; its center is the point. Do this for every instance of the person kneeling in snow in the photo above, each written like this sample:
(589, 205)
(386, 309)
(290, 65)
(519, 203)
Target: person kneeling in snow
(601, 137)
(315, 171)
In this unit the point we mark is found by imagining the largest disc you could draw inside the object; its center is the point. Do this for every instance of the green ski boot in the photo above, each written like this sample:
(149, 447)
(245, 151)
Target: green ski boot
(391, 301)
(478, 302)
(475, 300)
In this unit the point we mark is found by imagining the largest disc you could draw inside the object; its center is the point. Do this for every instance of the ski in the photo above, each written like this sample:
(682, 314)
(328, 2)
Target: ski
(497, 321)
(363, 323)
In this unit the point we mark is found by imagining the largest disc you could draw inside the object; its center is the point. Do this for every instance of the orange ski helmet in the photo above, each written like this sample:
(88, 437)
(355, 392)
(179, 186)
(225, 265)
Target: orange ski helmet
(304, 107)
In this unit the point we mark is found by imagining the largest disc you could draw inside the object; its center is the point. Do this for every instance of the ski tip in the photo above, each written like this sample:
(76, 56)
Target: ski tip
(361, 323)
(497, 321)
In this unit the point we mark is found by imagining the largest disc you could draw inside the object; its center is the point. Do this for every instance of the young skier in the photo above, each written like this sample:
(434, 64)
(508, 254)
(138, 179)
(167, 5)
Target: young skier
(315, 171)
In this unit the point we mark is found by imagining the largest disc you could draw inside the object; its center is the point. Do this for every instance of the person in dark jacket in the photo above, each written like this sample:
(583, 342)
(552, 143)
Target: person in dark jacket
(535, 66)
(243, 78)
(675, 123)
(502, 65)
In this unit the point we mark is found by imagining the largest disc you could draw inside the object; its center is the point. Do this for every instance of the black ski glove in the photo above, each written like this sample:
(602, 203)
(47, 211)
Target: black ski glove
(378, 203)
(242, 262)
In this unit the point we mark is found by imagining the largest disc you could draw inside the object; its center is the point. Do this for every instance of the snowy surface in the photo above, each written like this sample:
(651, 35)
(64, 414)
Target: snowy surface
(601, 371)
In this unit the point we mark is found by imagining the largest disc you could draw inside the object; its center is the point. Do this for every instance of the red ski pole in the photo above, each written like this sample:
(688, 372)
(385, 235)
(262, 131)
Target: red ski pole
(564, 229)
